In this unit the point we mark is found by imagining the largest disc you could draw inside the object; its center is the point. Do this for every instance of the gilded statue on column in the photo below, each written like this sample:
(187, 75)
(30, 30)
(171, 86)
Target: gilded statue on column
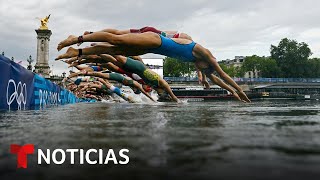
(44, 22)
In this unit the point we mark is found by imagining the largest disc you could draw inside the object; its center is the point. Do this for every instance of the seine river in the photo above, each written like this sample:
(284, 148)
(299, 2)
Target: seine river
(221, 140)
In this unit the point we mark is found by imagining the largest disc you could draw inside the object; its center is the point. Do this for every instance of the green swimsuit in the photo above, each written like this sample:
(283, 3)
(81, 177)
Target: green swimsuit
(121, 79)
(150, 77)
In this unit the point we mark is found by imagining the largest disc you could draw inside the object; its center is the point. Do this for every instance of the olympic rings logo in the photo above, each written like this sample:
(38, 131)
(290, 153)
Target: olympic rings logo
(19, 94)
(48, 98)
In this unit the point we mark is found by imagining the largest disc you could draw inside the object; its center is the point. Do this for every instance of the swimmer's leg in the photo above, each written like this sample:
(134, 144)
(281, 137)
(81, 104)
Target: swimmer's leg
(144, 40)
(101, 49)
(117, 91)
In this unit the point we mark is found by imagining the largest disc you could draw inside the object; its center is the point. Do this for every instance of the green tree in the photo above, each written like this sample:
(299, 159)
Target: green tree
(239, 72)
(232, 71)
(251, 63)
(291, 58)
(175, 68)
(268, 68)
(313, 68)
(225, 68)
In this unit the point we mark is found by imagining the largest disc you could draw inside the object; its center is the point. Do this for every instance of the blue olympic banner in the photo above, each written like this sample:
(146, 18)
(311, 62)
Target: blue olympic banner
(48, 93)
(21, 89)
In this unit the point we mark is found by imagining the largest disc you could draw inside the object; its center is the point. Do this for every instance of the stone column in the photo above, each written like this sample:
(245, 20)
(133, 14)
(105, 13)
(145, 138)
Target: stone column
(42, 65)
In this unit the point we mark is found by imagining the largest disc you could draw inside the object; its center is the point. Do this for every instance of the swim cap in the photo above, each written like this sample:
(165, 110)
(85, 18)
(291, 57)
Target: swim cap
(78, 81)
(147, 88)
(137, 91)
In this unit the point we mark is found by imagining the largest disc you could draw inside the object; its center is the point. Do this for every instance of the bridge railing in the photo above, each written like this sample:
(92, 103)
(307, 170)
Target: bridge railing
(181, 79)
(253, 80)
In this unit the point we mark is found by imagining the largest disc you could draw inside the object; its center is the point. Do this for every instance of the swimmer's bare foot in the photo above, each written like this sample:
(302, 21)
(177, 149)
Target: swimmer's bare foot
(67, 42)
(71, 52)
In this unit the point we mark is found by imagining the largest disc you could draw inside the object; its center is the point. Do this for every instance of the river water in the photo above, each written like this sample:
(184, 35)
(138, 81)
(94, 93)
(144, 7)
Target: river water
(222, 140)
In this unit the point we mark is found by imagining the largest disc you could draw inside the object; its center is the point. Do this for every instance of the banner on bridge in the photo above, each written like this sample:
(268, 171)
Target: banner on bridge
(21, 89)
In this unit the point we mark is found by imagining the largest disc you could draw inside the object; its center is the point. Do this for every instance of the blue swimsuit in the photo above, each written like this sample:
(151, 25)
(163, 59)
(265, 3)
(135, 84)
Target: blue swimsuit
(96, 68)
(172, 49)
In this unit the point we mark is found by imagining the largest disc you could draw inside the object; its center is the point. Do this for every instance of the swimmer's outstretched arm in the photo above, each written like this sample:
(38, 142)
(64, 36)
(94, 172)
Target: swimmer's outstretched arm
(80, 87)
(82, 72)
(111, 59)
(106, 76)
(117, 91)
(138, 58)
(71, 60)
(230, 81)
(112, 31)
(139, 86)
(81, 68)
(111, 67)
(92, 58)
(223, 85)
(104, 59)
(88, 88)
(72, 75)
(98, 86)
(93, 97)
(202, 79)
(95, 74)
(84, 61)
(87, 62)
(92, 61)
(165, 85)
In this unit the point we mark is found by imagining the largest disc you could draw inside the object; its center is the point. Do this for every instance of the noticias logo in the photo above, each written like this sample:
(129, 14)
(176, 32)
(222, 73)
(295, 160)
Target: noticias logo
(84, 156)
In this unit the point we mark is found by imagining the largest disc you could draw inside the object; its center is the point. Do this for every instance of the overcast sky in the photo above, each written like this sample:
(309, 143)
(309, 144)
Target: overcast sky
(226, 27)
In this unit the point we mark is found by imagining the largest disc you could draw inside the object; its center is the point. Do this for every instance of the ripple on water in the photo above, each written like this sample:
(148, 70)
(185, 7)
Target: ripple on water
(181, 137)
